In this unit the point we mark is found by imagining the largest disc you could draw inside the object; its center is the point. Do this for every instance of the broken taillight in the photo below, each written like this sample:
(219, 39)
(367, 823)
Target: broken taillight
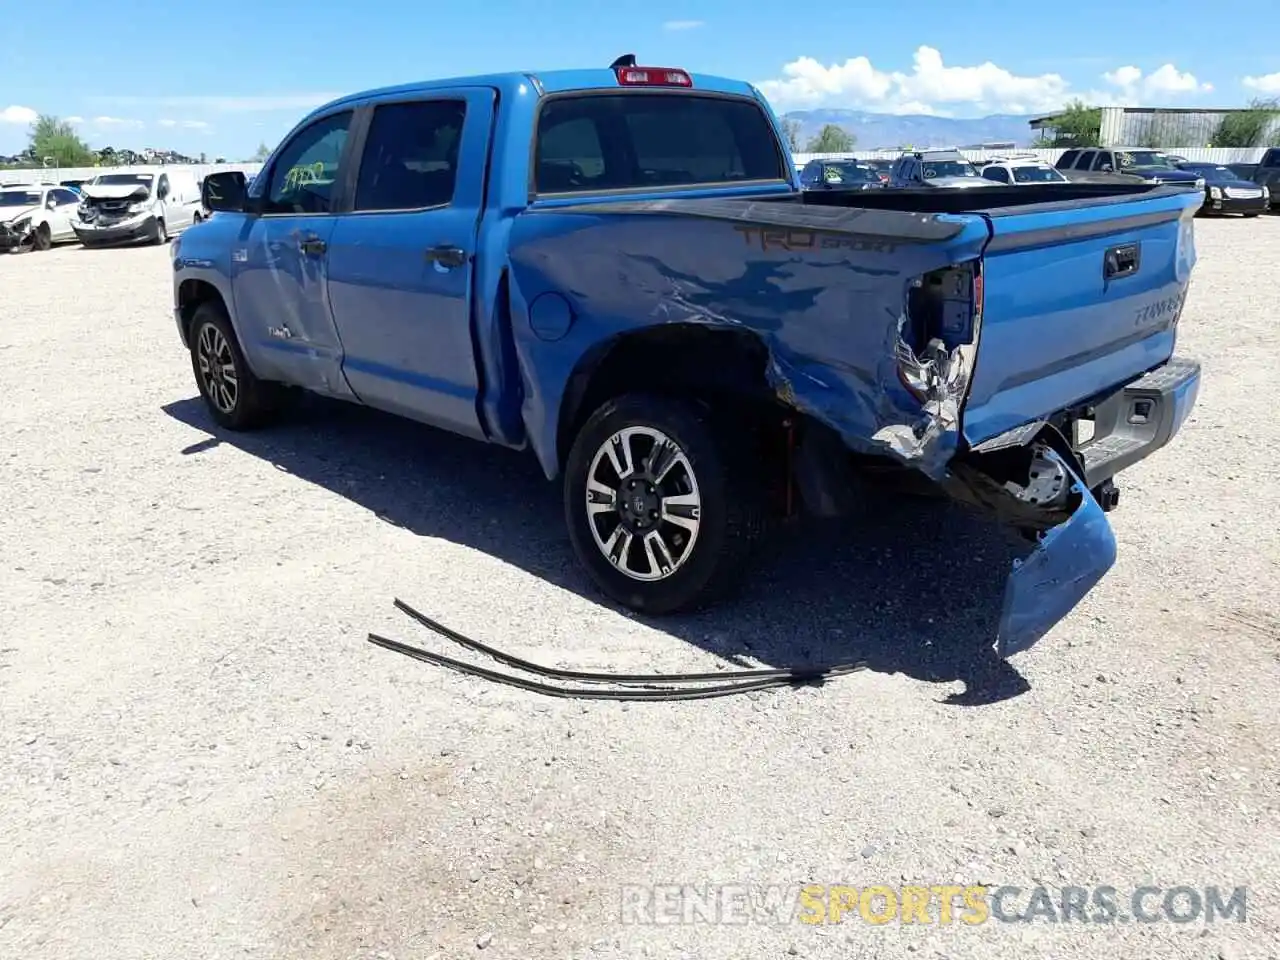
(653, 77)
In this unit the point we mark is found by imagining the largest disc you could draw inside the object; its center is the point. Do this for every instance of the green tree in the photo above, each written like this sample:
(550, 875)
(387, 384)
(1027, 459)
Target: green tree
(832, 139)
(791, 130)
(1078, 125)
(262, 152)
(1248, 127)
(57, 140)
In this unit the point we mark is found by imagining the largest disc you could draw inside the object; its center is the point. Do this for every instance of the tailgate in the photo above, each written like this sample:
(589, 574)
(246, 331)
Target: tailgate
(1077, 299)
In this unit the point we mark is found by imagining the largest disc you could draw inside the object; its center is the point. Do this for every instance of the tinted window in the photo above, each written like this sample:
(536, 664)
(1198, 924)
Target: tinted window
(1068, 158)
(848, 173)
(19, 198)
(1036, 174)
(1271, 159)
(644, 140)
(411, 156)
(1144, 158)
(306, 170)
(120, 179)
(948, 168)
(996, 173)
(65, 197)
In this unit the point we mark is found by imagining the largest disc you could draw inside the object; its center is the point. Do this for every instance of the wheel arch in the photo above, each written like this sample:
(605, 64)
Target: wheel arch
(713, 364)
(192, 293)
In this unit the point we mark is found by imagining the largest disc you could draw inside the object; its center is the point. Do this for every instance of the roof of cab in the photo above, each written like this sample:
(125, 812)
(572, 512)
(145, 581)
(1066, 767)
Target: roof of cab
(553, 81)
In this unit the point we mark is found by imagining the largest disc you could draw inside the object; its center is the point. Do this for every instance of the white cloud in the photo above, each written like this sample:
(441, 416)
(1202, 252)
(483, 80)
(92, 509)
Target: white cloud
(195, 125)
(222, 104)
(930, 87)
(75, 120)
(1164, 83)
(168, 123)
(16, 114)
(1268, 85)
(677, 25)
(935, 87)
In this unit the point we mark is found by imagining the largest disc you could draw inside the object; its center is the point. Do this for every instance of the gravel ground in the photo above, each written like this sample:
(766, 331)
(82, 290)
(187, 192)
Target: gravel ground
(201, 756)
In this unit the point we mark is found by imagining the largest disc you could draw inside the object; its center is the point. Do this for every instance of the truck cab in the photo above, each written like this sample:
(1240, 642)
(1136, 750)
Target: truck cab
(617, 270)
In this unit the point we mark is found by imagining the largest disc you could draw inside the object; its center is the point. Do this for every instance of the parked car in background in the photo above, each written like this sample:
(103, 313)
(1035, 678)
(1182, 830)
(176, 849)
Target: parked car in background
(616, 270)
(36, 216)
(882, 168)
(1021, 168)
(1151, 166)
(935, 169)
(1265, 173)
(1226, 191)
(150, 205)
(839, 175)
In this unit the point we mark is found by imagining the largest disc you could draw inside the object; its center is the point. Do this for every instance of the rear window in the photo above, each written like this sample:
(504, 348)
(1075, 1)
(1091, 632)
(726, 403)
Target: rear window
(641, 141)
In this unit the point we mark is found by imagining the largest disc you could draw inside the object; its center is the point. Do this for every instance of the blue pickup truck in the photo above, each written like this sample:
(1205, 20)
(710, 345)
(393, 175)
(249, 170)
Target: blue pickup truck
(616, 268)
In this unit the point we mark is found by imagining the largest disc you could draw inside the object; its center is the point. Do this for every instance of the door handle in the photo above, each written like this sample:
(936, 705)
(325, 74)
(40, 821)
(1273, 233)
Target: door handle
(447, 256)
(1121, 261)
(312, 246)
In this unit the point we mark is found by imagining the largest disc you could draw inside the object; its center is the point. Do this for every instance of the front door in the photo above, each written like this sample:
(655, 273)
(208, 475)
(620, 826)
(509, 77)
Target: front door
(400, 263)
(63, 214)
(280, 263)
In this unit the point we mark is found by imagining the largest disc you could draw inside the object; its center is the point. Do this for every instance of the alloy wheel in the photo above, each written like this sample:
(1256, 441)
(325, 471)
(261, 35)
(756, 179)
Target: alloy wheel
(218, 376)
(643, 503)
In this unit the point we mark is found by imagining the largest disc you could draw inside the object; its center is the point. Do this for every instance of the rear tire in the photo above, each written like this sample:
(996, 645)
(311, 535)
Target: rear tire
(234, 397)
(678, 529)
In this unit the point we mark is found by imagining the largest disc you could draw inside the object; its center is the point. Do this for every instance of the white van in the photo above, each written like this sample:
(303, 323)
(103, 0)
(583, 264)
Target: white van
(148, 204)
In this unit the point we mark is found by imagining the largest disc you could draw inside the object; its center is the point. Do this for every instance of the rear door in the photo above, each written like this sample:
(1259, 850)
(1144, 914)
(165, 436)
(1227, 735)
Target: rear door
(400, 264)
(1077, 299)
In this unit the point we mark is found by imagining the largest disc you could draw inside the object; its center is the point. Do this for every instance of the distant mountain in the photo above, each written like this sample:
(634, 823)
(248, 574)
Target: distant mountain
(890, 131)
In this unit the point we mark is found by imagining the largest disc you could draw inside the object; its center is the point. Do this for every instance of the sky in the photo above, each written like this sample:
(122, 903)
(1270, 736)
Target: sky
(188, 80)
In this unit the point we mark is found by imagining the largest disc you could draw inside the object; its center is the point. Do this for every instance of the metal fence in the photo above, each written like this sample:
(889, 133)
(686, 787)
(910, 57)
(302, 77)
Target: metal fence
(1197, 154)
(58, 174)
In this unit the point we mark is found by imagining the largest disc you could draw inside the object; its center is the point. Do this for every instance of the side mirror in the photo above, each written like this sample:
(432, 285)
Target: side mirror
(1107, 168)
(51, 203)
(225, 191)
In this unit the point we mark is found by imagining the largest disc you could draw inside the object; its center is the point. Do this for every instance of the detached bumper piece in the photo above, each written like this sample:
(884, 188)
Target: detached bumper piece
(623, 687)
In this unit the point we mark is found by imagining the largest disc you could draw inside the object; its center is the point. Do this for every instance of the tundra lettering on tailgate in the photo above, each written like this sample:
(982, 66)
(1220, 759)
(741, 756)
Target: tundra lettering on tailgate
(1161, 313)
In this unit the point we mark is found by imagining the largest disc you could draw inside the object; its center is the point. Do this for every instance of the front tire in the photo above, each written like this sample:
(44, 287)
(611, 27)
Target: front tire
(234, 397)
(162, 233)
(664, 503)
(42, 239)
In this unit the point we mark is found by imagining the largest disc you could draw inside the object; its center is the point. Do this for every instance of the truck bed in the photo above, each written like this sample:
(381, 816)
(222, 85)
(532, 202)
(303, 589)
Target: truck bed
(1015, 303)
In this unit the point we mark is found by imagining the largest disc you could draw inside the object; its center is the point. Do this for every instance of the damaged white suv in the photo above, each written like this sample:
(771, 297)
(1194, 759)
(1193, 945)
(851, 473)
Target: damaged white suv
(129, 206)
(35, 216)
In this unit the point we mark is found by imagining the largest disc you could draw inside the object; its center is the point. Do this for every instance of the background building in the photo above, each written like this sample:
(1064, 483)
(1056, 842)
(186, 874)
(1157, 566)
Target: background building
(1172, 127)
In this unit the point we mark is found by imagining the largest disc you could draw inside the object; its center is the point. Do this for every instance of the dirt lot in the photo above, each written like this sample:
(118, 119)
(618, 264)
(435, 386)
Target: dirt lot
(201, 756)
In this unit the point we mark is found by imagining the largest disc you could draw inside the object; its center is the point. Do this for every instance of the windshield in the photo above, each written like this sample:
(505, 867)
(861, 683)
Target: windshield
(635, 141)
(847, 173)
(19, 198)
(116, 179)
(948, 168)
(1036, 175)
(1143, 158)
